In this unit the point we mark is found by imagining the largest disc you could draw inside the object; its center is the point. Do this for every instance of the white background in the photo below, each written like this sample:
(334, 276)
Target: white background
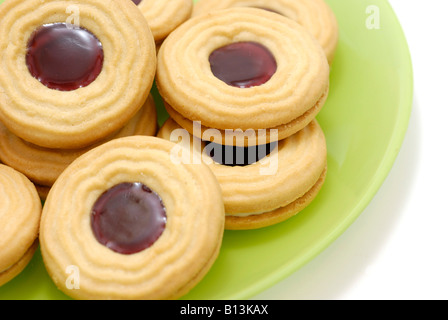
(398, 247)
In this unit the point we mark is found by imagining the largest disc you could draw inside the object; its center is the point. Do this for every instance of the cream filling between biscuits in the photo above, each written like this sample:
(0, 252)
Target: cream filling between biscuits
(8, 268)
(283, 130)
(243, 214)
(15, 263)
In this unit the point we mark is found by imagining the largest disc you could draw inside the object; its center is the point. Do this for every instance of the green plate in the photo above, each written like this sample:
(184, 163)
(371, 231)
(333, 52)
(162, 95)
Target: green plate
(365, 120)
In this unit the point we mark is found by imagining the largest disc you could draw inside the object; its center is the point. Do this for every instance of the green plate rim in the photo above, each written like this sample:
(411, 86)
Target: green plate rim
(404, 109)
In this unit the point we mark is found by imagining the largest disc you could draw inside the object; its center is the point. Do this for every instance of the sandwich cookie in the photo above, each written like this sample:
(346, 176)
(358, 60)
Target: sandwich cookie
(20, 214)
(261, 185)
(163, 16)
(73, 72)
(134, 224)
(315, 15)
(243, 69)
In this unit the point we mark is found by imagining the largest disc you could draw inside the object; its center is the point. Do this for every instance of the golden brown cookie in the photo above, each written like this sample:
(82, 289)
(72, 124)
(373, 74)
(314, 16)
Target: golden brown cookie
(164, 16)
(315, 15)
(249, 137)
(14, 270)
(20, 214)
(282, 88)
(43, 165)
(57, 93)
(277, 184)
(128, 223)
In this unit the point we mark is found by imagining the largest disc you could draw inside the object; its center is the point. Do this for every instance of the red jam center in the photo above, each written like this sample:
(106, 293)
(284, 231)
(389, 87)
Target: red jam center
(238, 156)
(128, 218)
(64, 57)
(243, 64)
(137, 2)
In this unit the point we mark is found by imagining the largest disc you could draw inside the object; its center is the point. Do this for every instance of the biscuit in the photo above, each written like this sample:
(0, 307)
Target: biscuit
(293, 95)
(14, 270)
(267, 191)
(20, 214)
(43, 165)
(250, 137)
(106, 78)
(163, 16)
(315, 15)
(78, 229)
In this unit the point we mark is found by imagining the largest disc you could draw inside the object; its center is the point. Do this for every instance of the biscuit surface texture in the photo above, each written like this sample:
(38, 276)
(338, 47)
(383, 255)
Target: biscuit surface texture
(43, 165)
(315, 15)
(74, 119)
(188, 86)
(169, 268)
(164, 16)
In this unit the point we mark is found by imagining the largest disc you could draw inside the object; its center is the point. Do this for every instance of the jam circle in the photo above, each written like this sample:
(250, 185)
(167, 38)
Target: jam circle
(64, 57)
(243, 64)
(128, 218)
(237, 156)
(137, 2)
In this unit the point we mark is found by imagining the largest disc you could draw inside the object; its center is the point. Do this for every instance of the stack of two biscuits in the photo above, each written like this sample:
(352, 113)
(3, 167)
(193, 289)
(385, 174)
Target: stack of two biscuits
(249, 82)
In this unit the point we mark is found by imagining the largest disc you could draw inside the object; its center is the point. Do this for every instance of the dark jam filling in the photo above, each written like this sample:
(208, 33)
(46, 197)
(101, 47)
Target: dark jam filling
(137, 2)
(237, 156)
(64, 57)
(128, 218)
(243, 64)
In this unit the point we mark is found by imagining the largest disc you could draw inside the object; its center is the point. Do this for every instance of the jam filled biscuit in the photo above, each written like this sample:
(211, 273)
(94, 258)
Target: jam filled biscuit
(315, 15)
(20, 214)
(43, 165)
(164, 16)
(132, 223)
(73, 72)
(243, 69)
(262, 185)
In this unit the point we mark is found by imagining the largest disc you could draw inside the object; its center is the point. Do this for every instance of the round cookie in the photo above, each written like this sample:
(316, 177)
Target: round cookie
(315, 15)
(19, 222)
(43, 165)
(295, 85)
(267, 190)
(69, 94)
(164, 16)
(112, 183)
